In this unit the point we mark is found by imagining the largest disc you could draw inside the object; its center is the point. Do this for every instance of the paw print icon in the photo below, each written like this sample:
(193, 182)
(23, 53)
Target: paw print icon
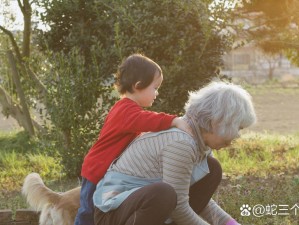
(245, 210)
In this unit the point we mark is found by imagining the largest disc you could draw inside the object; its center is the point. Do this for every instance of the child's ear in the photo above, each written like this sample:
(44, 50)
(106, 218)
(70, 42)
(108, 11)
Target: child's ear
(137, 85)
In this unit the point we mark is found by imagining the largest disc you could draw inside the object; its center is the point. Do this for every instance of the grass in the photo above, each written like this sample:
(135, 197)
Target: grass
(275, 192)
(259, 168)
(19, 155)
(273, 86)
(260, 155)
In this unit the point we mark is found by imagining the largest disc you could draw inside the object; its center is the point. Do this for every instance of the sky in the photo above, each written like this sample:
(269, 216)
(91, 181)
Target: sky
(12, 10)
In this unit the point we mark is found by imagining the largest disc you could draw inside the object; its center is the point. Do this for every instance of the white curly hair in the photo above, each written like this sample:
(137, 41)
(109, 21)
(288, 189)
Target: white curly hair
(221, 107)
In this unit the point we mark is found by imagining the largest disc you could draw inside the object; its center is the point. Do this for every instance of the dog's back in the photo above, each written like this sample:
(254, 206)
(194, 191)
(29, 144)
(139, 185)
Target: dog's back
(56, 208)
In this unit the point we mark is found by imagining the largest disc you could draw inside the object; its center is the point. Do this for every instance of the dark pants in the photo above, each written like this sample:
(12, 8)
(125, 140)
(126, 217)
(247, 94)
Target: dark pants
(148, 205)
(152, 204)
(86, 211)
(202, 191)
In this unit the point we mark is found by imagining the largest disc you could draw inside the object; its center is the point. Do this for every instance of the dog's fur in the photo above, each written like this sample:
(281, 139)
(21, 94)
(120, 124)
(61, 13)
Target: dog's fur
(56, 208)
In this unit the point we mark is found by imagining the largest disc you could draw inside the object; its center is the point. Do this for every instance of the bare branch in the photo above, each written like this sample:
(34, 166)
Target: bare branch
(17, 82)
(13, 42)
(21, 6)
(41, 87)
(27, 12)
(14, 110)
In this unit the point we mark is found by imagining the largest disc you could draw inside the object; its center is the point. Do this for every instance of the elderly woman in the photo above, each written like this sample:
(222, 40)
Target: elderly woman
(170, 176)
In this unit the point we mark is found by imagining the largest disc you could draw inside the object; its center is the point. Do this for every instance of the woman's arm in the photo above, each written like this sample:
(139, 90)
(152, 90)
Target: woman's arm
(214, 214)
(178, 160)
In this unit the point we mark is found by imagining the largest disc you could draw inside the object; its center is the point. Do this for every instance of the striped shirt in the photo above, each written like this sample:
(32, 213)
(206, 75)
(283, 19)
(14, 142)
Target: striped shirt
(170, 155)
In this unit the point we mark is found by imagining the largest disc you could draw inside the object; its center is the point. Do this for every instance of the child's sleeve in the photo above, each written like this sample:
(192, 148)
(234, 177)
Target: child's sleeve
(138, 120)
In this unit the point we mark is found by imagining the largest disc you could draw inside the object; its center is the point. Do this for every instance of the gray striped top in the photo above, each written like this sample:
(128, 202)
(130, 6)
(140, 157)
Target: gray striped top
(170, 155)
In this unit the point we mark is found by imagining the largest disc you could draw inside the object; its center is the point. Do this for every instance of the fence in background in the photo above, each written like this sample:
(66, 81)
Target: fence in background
(22, 217)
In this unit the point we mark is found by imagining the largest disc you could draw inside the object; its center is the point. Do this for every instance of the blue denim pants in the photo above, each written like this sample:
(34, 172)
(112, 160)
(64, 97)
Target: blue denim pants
(85, 215)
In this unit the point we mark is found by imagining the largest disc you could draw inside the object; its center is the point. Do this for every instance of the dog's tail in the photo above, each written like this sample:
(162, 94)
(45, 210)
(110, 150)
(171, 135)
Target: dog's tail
(36, 192)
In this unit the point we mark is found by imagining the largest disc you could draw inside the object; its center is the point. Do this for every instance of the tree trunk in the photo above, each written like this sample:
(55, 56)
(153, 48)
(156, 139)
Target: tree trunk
(28, 126)
(270, 73)
(67, 138)
(10, 107)
(13, 42)
(27, 11)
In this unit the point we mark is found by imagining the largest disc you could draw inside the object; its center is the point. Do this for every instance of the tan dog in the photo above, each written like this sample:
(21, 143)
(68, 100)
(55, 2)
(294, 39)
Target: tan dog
(56, 208)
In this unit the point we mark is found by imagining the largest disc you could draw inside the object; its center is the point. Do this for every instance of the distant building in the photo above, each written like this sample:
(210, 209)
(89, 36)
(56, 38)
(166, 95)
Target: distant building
(251, 63)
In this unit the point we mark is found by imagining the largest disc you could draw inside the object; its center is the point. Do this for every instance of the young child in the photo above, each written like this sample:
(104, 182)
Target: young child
(138, 81)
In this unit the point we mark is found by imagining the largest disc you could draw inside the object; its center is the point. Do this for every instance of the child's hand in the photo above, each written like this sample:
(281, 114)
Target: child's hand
(182, 125)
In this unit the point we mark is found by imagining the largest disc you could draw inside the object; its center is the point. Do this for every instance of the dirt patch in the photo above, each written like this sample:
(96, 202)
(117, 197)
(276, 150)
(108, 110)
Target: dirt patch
(277, 110)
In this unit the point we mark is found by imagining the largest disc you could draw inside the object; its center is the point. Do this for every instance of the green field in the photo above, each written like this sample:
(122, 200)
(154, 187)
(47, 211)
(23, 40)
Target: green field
(261, 171)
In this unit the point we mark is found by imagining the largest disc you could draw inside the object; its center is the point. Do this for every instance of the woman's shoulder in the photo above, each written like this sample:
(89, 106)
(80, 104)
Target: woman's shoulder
(179, 134)
(170, 135)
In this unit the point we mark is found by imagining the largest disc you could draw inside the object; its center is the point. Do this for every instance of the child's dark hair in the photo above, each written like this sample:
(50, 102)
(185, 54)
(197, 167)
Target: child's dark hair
(136, 68)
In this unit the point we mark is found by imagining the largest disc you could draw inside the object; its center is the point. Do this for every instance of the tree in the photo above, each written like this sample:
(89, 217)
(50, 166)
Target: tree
(272, 25)
(17, 62)
(178, 35)
(269, 62)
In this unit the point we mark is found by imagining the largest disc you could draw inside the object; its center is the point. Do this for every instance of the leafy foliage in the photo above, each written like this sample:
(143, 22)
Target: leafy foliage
(260, 155)
(20, 142)
(272, 25)
(74, 105)
(178, 35)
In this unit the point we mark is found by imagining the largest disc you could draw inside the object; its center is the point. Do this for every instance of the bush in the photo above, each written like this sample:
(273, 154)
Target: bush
(179, 35)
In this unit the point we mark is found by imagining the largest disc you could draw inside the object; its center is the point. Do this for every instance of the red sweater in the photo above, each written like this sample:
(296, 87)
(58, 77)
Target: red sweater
(125, 121)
